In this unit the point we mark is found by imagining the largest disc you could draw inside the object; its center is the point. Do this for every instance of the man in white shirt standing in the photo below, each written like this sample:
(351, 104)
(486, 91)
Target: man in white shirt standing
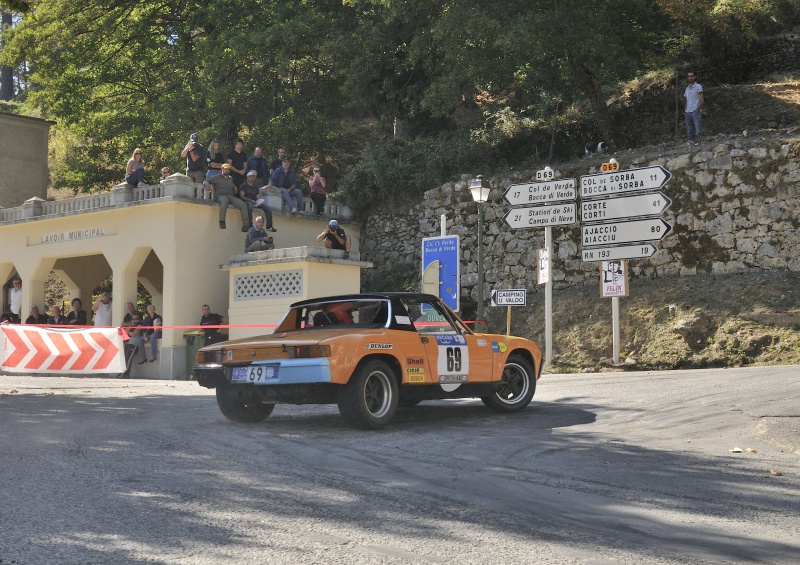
(16, 299)
(694, 101)
(102, 310)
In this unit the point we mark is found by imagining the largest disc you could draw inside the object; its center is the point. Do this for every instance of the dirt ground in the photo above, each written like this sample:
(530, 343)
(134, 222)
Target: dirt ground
(688, 322)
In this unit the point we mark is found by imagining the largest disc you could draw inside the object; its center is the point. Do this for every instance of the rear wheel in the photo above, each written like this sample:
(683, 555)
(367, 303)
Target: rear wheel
(516, 387)
(239, 410)
(369, 400)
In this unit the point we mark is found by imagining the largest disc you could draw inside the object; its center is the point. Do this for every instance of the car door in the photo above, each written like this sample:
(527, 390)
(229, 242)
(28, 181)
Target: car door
(455, 355)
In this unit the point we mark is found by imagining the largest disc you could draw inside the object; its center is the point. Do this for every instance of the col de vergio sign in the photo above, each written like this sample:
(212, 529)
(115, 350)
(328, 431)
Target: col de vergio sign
(540, 192)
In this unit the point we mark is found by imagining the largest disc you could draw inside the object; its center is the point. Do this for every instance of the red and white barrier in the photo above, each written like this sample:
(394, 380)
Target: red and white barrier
(27, 349)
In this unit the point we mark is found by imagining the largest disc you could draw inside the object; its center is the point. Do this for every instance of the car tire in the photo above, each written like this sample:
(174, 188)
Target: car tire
(369, 400)
(517, 386)
(238, 411)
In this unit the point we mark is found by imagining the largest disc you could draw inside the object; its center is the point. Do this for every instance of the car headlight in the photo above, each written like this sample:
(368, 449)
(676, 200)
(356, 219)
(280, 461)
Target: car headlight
(307, 351)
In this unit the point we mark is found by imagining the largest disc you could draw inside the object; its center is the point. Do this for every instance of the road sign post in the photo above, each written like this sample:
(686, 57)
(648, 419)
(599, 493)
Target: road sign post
(510, 297)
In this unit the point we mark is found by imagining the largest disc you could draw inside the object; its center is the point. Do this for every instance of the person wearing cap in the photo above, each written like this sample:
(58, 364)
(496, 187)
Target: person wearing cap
(227, 195)
(248, 191)
(193, 153)
(285, 179)
(335, 238)
(102, 310)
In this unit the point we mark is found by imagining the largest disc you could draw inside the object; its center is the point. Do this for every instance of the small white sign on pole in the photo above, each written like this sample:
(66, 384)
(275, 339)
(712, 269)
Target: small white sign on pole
(613, 278)
(510, 297)
(542, 260)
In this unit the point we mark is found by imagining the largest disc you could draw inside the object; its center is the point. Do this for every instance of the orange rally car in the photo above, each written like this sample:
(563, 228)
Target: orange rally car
(368, 353)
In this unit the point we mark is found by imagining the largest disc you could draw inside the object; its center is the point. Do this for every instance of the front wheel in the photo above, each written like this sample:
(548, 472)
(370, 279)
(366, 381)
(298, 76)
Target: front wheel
(516, 386)
(240, 411)
(369, 399)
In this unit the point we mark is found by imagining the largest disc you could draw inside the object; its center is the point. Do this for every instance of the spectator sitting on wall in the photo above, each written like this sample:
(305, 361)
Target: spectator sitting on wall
(134, 170)
(130, 310)
(248, 191)
(212, 335)
(193, 153)
(257, 238)
(214, 159)
(78, 315)
(151, 326)
(136, 333)
(335, 238)
(227, 195)
(277, 162)
(56, 319)
(36, 317)
(285, 179)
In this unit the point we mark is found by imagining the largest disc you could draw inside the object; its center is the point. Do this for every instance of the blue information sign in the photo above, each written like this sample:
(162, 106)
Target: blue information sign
(446, 251)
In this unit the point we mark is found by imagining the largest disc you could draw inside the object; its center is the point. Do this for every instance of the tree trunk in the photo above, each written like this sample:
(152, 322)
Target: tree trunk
(589, 83)
(6, 73)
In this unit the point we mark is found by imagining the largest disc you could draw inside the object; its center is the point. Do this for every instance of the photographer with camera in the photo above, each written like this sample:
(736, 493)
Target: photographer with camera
(194, 153)
(335, 238)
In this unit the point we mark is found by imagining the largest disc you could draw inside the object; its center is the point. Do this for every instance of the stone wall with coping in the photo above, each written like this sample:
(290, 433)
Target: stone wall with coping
(735, 208)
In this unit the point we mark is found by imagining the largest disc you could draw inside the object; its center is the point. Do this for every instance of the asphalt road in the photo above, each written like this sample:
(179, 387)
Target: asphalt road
(600, 469)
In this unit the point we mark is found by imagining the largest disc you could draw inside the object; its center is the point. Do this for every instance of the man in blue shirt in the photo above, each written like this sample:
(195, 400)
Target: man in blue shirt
(285, 179)
(259, 164)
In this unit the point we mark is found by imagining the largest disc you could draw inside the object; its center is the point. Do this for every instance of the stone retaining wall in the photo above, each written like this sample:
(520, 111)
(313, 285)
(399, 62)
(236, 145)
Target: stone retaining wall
(736, 208)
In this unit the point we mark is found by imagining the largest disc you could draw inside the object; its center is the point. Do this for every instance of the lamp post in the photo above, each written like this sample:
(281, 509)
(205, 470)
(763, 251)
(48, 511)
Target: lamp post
(480, 194)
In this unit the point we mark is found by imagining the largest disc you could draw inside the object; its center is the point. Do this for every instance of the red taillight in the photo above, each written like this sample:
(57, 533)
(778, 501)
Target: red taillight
(307, 351)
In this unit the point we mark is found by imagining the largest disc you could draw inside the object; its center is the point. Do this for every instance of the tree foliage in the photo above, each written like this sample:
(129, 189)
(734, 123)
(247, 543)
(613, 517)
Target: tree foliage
(314, 75)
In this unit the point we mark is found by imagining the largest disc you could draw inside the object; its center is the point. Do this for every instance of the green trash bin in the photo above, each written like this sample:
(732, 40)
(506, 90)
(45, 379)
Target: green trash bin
(194, 341)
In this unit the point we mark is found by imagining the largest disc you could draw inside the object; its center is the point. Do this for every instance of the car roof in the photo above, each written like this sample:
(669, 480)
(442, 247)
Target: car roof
(368, 296)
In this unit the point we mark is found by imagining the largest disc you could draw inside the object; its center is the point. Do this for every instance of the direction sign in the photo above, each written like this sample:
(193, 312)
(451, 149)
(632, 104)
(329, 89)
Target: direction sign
(541, 216)
(618, 253)
(541, 192)
(651, 229)
(618, 182)
(651, 204)
(511, 297)
(446, 251)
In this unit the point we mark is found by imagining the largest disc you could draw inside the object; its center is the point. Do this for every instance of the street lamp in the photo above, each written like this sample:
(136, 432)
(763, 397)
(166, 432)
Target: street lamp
(479, 187)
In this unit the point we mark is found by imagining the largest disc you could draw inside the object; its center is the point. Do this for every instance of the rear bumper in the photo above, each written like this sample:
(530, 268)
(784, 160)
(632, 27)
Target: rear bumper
(290, 372)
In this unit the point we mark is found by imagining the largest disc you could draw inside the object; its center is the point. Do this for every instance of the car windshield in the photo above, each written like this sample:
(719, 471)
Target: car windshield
(368, 313)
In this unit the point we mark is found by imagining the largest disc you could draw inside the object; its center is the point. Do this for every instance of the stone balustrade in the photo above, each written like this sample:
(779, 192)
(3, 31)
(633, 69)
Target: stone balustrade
(177, 186)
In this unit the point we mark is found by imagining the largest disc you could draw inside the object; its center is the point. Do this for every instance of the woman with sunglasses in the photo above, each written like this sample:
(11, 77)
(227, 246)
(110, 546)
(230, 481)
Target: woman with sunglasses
(134, 170)
(317, 184)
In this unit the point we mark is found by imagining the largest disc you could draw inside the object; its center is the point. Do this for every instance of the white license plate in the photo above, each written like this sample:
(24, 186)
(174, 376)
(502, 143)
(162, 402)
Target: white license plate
(256, 374)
